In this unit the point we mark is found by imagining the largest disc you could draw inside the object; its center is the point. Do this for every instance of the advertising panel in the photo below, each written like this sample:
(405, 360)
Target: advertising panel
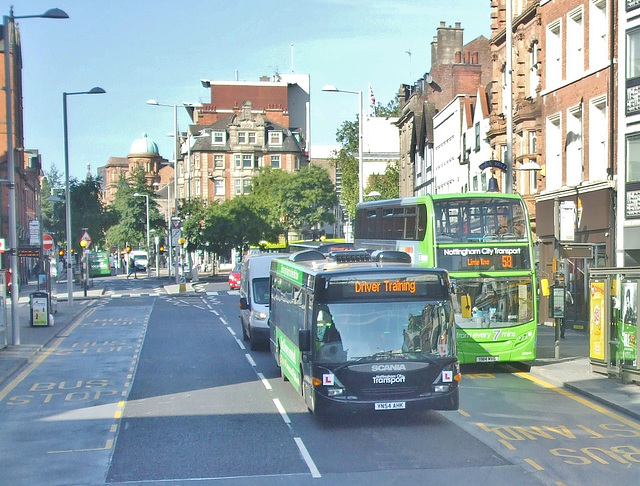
(597, 321)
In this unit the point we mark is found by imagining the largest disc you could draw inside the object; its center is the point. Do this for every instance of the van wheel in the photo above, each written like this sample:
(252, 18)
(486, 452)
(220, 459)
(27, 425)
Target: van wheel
(245, 336)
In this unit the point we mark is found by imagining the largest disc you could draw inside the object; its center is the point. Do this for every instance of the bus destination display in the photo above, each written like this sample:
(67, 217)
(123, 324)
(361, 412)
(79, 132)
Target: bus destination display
(374, 288)
(484, 258)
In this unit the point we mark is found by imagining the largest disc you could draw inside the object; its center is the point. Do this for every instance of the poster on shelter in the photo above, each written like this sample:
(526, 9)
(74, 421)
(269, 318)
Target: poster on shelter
(596, 328)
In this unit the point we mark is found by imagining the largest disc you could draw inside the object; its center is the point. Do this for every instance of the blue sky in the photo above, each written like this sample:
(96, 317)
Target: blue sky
(158, 49)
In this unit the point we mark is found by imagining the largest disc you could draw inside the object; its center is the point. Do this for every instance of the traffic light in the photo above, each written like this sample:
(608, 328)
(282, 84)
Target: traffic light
(61, 252)
(128, 249)
(161, 248)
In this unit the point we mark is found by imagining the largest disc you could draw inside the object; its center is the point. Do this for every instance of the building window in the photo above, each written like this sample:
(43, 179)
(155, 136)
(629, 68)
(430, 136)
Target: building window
(575, 44)
(238, 161)
(553, 147)
(574, 146)
(275, 138)
(218, 161)
(218, 137)
(252, 137)
(598, 36)
(275, 162)
(633, 54)
(554, 54)
(633, 158)
(534, 78)
(242, 137)
(533, 142)
(197, 188)
(477, 128)
(196, 161)
(598, 130)
(247, 161)
(242, 186)
(218, 187)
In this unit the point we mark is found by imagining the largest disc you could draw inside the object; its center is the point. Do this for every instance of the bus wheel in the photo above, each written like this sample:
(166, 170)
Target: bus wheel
(284, 377)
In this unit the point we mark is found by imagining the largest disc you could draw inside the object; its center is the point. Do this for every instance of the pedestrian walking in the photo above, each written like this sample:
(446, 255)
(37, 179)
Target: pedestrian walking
(132, 267)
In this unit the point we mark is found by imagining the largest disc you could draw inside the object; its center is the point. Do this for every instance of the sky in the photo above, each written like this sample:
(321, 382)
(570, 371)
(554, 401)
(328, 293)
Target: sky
(137, 50)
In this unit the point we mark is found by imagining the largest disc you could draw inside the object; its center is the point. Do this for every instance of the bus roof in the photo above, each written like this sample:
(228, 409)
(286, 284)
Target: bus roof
(359, 261)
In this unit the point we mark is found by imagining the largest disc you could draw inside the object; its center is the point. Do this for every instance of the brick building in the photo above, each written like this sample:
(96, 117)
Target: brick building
(564, 130)
(456, 69)
(246, 126)
(27, 162)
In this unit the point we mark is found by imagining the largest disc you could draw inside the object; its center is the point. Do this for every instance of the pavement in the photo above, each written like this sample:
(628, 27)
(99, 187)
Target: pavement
(571, 371)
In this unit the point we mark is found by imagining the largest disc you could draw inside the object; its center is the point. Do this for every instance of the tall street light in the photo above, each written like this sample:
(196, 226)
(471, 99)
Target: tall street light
(173, 244)
(333, 89)
(146, 196)
(8, 29)
(95, 90)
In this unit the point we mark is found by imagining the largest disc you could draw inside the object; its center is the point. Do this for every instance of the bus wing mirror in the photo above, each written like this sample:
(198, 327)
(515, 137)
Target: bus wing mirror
(244, 305)
(304, 340)
(465, 303)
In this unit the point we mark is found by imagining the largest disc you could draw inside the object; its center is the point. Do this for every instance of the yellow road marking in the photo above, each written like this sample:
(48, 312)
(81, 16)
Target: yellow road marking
(108, 445)
(534, 464)
(27, 371)
(583, 401)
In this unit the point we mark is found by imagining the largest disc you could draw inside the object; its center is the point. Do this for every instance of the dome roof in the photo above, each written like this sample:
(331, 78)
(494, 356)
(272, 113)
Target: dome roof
(144, 145)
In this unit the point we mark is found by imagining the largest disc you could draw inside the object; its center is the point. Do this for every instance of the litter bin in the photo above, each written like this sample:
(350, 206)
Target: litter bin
(39, 305)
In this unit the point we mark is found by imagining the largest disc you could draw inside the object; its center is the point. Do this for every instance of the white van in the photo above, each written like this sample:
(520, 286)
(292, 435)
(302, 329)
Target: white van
(254, 298)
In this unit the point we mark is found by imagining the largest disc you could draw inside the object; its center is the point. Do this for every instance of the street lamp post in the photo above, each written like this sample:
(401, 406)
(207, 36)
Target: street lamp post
(333, 89)
(172, 244)
(146, 196)
(95, 90)
(8, 28)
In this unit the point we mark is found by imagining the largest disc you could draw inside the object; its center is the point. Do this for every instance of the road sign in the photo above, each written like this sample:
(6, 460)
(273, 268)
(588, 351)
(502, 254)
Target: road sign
(47, 241)
(86, 237)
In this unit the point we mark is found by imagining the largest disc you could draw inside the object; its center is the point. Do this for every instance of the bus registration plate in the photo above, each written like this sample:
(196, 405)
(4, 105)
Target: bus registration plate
(486, 359)
(390, 405)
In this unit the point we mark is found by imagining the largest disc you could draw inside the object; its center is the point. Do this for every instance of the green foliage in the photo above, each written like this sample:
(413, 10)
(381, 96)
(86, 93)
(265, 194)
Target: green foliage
(391, 109)
(238, 223)
(129, 212)
(387, 184)
(346, 161)
(295, 200)
(53, 213)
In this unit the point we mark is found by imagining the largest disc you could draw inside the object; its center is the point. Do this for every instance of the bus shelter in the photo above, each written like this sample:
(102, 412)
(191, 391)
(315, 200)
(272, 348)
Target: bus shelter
(613, 315)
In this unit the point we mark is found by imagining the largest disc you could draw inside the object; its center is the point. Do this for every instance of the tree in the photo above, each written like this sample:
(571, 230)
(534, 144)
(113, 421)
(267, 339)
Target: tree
(387, 184)
(391, 109)
(346, 159)
(131, 211)
(53, 212)
(87, 212)
(237, 223)
(346, 162)
(295, 200)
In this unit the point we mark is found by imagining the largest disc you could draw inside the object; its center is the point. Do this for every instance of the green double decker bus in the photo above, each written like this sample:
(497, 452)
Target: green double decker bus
(484, 241)
(355, 331)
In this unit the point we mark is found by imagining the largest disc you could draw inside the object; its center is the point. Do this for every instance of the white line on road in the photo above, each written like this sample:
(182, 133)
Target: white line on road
(307, 458)
(264, 381)
(240, 344)
(282, 411)
(250, 360)
(231, 331)
(224, 321)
